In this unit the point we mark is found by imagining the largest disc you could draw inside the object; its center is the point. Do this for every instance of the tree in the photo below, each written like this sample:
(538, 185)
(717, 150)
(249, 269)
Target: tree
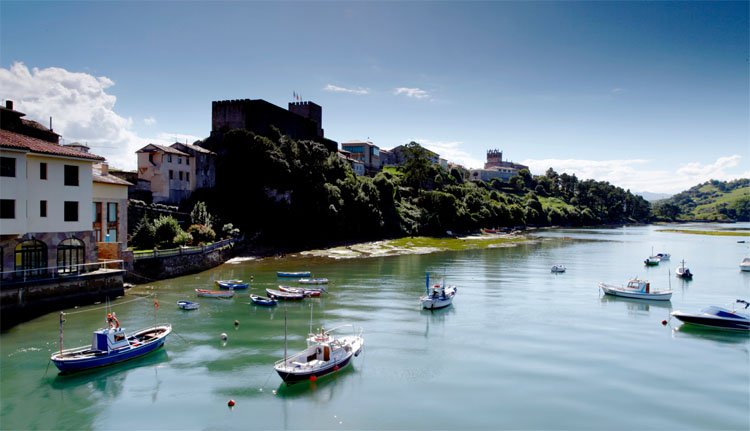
(199, 215)
(417, 166)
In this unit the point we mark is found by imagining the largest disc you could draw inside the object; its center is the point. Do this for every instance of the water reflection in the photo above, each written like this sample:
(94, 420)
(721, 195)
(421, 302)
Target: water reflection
(322, 390)
(713, 334)
(637, 306)
(436, 317)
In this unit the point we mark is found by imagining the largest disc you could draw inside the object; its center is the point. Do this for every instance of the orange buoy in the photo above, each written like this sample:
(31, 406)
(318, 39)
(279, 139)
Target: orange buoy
(231, 403)
(313, 378)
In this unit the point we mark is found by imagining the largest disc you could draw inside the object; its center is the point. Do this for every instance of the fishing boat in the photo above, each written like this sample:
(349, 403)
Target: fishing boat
(285, 296)
(214, 293)
(312, 281)
(683, 272)
(636, 289)
(262, 300)
(232, 284)
(652, 261)
(663, 256)
(559, 268)
(438, 295)
(110, 345)
(314, 293)
(298, 274)
(327, 354)
(718, 317)
(745, 264)
(188, 305)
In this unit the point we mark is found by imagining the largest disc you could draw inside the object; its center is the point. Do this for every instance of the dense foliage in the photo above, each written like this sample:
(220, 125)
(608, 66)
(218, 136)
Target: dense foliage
(283, 191)
(711, 201)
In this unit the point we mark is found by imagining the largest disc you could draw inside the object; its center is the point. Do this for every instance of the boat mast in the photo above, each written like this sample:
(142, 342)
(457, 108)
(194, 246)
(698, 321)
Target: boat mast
(62, 319)
(427, 283)
(285, 335)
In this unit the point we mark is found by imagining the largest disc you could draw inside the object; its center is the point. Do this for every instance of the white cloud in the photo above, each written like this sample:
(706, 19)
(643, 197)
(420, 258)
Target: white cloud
(149, 121)
(336, 89)
(451, 151)
(416, 93)
(638, 175)
(80, 108)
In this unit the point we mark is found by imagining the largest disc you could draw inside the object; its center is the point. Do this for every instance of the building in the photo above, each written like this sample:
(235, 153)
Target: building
(495, 167)
(357, 166)
(203, 169)
(365, 152)
(168, 170)
(110, 210)
(47, 192)
(302, 121)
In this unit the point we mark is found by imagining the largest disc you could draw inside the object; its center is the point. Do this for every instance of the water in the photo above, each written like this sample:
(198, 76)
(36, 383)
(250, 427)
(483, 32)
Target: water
(521, 348)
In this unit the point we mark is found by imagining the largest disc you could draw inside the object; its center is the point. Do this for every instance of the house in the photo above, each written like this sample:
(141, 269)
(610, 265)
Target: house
(495, 167)
(169, 172)
(365, 152)
(357, 166)
(203, 170)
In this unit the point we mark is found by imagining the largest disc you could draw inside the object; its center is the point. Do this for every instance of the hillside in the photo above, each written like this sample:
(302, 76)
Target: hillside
(713, 200)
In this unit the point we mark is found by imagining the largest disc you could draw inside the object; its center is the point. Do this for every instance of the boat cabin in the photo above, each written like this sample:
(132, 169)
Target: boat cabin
(639, 285)
(107, 339)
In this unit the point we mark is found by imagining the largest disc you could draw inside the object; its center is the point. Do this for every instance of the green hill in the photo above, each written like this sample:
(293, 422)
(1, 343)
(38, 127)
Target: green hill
(713, 200)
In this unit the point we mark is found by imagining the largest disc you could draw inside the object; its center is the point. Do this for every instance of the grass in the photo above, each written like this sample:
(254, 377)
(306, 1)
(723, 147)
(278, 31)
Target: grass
(454, 244)
(707, 232)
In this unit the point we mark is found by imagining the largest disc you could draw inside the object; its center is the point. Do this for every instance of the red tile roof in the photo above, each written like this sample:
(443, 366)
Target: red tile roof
(22, 142)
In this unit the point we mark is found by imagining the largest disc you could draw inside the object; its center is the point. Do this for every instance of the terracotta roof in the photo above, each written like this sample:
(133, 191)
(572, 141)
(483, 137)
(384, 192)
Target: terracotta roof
(195, 148)
(38, 126)
(170, 150)
(98, 177)
(9, 139)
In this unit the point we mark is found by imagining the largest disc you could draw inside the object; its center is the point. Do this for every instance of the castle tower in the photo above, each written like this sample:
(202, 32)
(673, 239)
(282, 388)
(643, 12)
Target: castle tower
(309, 110)
(494, 159)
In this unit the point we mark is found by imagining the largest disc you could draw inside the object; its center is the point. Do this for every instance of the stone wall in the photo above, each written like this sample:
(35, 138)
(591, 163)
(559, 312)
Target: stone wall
(159, 268)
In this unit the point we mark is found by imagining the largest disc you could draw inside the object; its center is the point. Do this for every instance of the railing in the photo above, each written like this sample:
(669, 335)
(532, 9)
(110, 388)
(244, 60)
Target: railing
(57, 272)
(181, 251)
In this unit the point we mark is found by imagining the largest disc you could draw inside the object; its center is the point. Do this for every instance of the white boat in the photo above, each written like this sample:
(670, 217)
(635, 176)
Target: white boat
(312, 281)
(636, 289)
(663, 256)
(683, 272)
(326, 353)
(718, 317)
(745, 264)
(558, 268)
(438, 295)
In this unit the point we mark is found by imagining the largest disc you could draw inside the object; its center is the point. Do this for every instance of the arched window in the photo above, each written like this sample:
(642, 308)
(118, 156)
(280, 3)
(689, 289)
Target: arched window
(31, 258)
(70, 254)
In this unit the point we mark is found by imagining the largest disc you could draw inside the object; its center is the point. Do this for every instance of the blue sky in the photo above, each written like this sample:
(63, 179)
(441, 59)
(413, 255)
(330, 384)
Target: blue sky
(651, 96)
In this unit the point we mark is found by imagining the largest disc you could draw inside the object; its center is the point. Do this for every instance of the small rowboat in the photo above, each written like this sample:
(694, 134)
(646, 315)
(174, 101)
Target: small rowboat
(312, 281)
(188, 305)
(263, 301)
(232, 284)
(297, 274)
(306, 292)
(287, 296)
(214, 293)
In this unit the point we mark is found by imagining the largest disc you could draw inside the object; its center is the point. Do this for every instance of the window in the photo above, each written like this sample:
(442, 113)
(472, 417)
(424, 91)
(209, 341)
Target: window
(97, 217)
(70, 256)
(187, 176)
(42, 171)
(7, 208)
(179, 160)
(112, 221)
(171, 174)
(71, 211)
(169, 158)
(7, 167)
(180, 175)
(71, 175)
(187, 161)
(31, 258)
(42, 208)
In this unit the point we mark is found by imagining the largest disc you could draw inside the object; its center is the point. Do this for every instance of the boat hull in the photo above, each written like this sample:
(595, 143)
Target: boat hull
(188, 305)
(715, 322)
(262, 301)
(634, 294)
(232, 286)
(96, 360)
(296, 377)
(299, 274)
(214, 293)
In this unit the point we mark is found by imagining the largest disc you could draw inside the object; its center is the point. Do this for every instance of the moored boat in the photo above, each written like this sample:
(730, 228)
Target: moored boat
(109, 346)
(214, 293)
(312, 281)
(306, 292)
(232, 284)
(286, 296)
(663, 256)
(188, 305)
(652, 261)
(438, 295)
(559, 268)
(718, 317)
(683, 272)
(636, 289)
(262, 300)
(297, 274)
(745, 264)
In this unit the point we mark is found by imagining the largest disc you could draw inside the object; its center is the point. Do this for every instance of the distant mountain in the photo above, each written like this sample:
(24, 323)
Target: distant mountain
(713, 200)
(651, 197)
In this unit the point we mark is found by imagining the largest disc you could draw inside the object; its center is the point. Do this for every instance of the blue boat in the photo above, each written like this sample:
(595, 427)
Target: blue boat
(188, 305)
(110, 346)
(232, 284)
(263, 301)
(298, 274)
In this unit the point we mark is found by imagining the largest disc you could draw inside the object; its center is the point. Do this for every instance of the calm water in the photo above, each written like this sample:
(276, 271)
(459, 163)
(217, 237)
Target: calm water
(521, 348)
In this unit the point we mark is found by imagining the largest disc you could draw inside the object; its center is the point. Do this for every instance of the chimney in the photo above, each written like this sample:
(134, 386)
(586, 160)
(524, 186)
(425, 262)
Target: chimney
(9, 104)
(105, 168)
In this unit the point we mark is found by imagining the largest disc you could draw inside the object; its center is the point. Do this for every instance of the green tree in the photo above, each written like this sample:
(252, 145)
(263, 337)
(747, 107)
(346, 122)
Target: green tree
(200, 215)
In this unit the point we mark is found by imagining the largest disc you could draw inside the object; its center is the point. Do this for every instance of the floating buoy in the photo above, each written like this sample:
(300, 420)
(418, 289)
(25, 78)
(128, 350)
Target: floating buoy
(236, 323)
(335, 368)
(664, 322)
(223, 336)
(313, 378)
(230, 403)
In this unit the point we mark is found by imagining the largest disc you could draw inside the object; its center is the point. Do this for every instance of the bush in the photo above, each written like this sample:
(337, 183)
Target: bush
(229, 231)
(183, 238)
(201, 234)
(167, 229)
(144, 236)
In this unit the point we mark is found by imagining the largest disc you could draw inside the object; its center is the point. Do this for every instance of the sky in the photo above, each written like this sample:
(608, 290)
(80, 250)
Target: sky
(650, 96)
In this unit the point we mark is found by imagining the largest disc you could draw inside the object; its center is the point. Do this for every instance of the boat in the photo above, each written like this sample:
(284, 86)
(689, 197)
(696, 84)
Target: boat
(718, 317)
(110, 345)
(188, 305)
(663, 256)
(683, 272)
(298, 274)
(286, 296)
(745, 264)
(325, 354)
(652, 261)
(306, 292)
(312, 281)
(558, 268)
(214, 293)
(438, 295)
(262, 300)
(636, 289)
(232, 284)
